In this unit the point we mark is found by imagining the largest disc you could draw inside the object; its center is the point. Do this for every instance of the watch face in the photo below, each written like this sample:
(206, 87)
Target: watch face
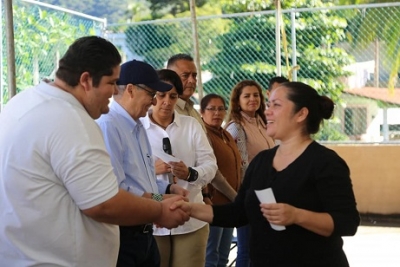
(193, 175)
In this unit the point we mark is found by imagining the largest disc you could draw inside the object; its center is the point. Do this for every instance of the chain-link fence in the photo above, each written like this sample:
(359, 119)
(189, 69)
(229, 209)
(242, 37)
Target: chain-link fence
(42, 33)
(347, 53)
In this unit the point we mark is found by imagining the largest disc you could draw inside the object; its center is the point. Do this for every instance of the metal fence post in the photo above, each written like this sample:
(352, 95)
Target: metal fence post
(293, 32)
(1, 58)
(278, 37)
(196, 48)
(12, 88)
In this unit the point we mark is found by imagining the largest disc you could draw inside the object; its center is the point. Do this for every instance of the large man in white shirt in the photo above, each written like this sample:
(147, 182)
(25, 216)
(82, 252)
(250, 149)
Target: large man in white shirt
(59, 199)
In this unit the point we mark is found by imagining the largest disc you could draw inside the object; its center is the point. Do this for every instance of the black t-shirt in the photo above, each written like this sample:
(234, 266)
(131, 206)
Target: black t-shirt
(318, 180)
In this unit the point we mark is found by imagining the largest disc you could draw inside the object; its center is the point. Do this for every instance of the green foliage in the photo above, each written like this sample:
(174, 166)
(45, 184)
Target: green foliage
(113, 10)
(39, 36)
(374, 24)
(156, 42)
(162, 7)
(331, 131)
(238, 6)
(249, 49)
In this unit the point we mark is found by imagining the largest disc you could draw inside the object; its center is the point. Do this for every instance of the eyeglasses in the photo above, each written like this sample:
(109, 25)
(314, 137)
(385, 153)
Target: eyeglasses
(214, 109)
(151, 93)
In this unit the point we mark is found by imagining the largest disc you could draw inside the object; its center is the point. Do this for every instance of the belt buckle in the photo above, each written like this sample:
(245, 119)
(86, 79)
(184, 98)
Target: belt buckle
(147, 228)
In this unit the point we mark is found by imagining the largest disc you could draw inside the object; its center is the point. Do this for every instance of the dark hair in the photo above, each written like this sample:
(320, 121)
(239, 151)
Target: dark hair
(91, 54)
(304, 96)
(172, 77)
(172, 60)
(205, 100)
(234, 107)
(277, 79)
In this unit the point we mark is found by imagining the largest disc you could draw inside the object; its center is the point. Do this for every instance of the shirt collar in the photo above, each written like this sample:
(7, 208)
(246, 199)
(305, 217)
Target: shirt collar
(213, 129)
(147, 121)
(116, 107)
(182, 103)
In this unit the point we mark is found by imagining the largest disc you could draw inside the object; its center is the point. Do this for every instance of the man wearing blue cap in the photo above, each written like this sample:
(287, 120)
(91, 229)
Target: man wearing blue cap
(128, 145)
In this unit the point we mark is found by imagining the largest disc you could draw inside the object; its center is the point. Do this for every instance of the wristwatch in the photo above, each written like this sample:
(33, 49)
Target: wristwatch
(156, 197)
(193, 175)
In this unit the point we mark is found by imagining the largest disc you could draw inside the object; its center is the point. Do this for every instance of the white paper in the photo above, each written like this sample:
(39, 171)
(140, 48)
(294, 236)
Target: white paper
(164, 156)
(267, 196)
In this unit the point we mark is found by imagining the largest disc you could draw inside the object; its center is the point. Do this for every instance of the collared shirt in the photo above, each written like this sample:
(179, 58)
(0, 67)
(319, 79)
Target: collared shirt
(190, 144)
(186, 108)
(127, 143)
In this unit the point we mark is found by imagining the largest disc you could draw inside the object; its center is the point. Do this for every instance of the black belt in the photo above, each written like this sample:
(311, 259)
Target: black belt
(143, 228)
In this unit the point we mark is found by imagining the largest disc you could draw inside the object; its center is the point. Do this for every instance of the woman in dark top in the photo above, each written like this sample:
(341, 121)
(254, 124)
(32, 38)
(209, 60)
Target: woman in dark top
(311, 184)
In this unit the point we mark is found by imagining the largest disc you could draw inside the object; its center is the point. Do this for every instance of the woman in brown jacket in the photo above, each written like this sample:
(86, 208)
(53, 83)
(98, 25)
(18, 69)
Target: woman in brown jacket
(213, 111)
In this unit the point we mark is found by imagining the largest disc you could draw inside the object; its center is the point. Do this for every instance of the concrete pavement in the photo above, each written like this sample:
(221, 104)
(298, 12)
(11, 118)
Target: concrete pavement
(372, 246)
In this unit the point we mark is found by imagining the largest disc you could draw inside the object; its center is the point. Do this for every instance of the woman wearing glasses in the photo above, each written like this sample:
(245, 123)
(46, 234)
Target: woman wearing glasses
(248, 126)
(213, 111)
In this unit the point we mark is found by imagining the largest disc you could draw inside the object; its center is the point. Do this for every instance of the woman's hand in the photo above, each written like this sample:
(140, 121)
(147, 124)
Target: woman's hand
(284, 214)
(279, 213)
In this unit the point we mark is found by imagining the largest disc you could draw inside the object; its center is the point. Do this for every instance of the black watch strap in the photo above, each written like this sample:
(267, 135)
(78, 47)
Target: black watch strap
(193, 175)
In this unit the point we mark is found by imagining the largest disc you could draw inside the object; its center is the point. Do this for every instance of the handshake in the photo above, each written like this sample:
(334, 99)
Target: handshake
(175, 211)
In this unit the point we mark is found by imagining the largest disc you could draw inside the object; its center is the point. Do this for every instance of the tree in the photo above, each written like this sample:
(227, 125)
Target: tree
(247, 51)
(157, 41)
(39, 36)
(162, 7)
(375, 25)
(113, 10)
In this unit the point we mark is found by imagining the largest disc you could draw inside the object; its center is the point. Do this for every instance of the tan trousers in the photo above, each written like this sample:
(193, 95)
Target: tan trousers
(186, 250)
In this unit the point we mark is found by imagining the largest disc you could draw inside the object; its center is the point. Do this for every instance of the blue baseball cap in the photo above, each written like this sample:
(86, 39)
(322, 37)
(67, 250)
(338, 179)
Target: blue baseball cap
(139, 72)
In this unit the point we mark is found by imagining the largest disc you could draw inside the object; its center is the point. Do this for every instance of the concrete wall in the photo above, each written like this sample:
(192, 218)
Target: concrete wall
(375, 173)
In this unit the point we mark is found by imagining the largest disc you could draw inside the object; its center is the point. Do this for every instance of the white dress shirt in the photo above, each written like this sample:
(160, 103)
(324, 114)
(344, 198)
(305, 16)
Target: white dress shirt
(190, 144)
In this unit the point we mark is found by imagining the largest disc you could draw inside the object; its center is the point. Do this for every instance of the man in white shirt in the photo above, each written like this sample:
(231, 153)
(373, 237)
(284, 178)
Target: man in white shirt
(59, 199)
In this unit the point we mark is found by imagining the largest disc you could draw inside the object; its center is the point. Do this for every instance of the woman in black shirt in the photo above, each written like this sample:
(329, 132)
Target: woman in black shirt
(311, 184)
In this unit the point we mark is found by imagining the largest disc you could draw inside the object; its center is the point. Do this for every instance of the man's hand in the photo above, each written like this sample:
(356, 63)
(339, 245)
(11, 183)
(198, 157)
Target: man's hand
(179, 190)
(179, 170)
(161, 167)
(171, 218)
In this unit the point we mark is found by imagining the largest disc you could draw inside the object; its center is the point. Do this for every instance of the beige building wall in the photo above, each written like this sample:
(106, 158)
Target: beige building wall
(375, 173)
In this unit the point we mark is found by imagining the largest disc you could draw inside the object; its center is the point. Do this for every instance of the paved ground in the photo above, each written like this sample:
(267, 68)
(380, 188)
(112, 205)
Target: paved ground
(372, 246)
